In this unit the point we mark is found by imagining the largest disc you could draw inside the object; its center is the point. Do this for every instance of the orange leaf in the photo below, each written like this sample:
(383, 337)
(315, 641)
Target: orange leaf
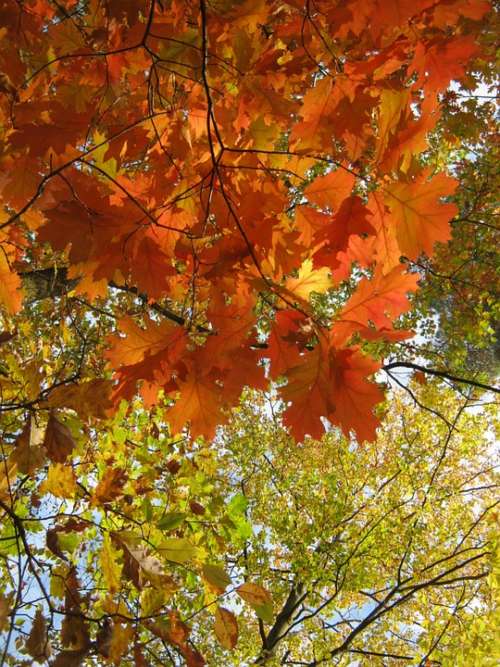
(11, 295)
(138, 343)
(200, 403)
(258, 598)
(332, 383)
(438, 64)
(421, 219)
(330, 191)
(379, 301)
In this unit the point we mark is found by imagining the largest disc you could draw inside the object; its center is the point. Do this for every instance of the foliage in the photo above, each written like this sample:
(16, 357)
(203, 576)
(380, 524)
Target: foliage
(170, 173)
(202, 198)
(461, 281)
(367, 550)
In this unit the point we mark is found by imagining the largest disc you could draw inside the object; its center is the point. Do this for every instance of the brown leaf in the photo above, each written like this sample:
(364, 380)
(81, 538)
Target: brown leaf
(5, 336)
(173, 466)
(103, 638)
(88, 399)
(58, 440)
(37, 644)
(28, 455)
(196, 508)
(110, 486)
(5, 607)
(52, 542)
(70, 658)
(139, 659)
(75, 633)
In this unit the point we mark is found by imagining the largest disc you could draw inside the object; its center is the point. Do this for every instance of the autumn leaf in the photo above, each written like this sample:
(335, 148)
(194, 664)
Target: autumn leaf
(393, 104)
(70, 658)
(37, 643)
(120, 641)
(259, 599)
(91, 398)
(438, 64)
(58, 440)
(282, 350)
(200, 404)
(138, 343)
(60, 481)
(378, 301)
(332, 383)
(226, 628)
(216, 578)
(330, 191)
(11, 295)
(308, 280)
(5, 607)
(421, 220)
(28, 454)
(177, 550)
(111, 568)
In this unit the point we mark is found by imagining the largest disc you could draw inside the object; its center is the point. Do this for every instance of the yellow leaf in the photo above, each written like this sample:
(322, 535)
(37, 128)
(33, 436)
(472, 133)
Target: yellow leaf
(109, 167)
(153, 599)
(60, 481)
(392, 105)
(120, 642)
(309, 280)
(58, 581)
(111, 568)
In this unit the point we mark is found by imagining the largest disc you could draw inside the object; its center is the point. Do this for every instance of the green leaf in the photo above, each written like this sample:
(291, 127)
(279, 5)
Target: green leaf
(171, 521)
(216, 577)
(177, 550)
(237, 505)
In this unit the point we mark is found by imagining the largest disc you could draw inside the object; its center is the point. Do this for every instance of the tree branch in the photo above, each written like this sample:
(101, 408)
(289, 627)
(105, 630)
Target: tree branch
(442, 374)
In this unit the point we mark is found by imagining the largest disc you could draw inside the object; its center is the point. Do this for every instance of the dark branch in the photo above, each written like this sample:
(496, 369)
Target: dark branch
(441, 374)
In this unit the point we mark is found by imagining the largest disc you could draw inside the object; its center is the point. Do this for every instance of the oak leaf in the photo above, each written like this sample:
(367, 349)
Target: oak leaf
(37, 643)
(11, 295)
(60, 481)
(58, 441)
(309, 280)
(421, 219)
(330, 191)
(332, 383)
(378, 301)
(110, 566)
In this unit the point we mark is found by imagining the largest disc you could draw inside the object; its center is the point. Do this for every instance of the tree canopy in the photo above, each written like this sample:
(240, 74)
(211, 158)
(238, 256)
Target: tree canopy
(249, 325)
